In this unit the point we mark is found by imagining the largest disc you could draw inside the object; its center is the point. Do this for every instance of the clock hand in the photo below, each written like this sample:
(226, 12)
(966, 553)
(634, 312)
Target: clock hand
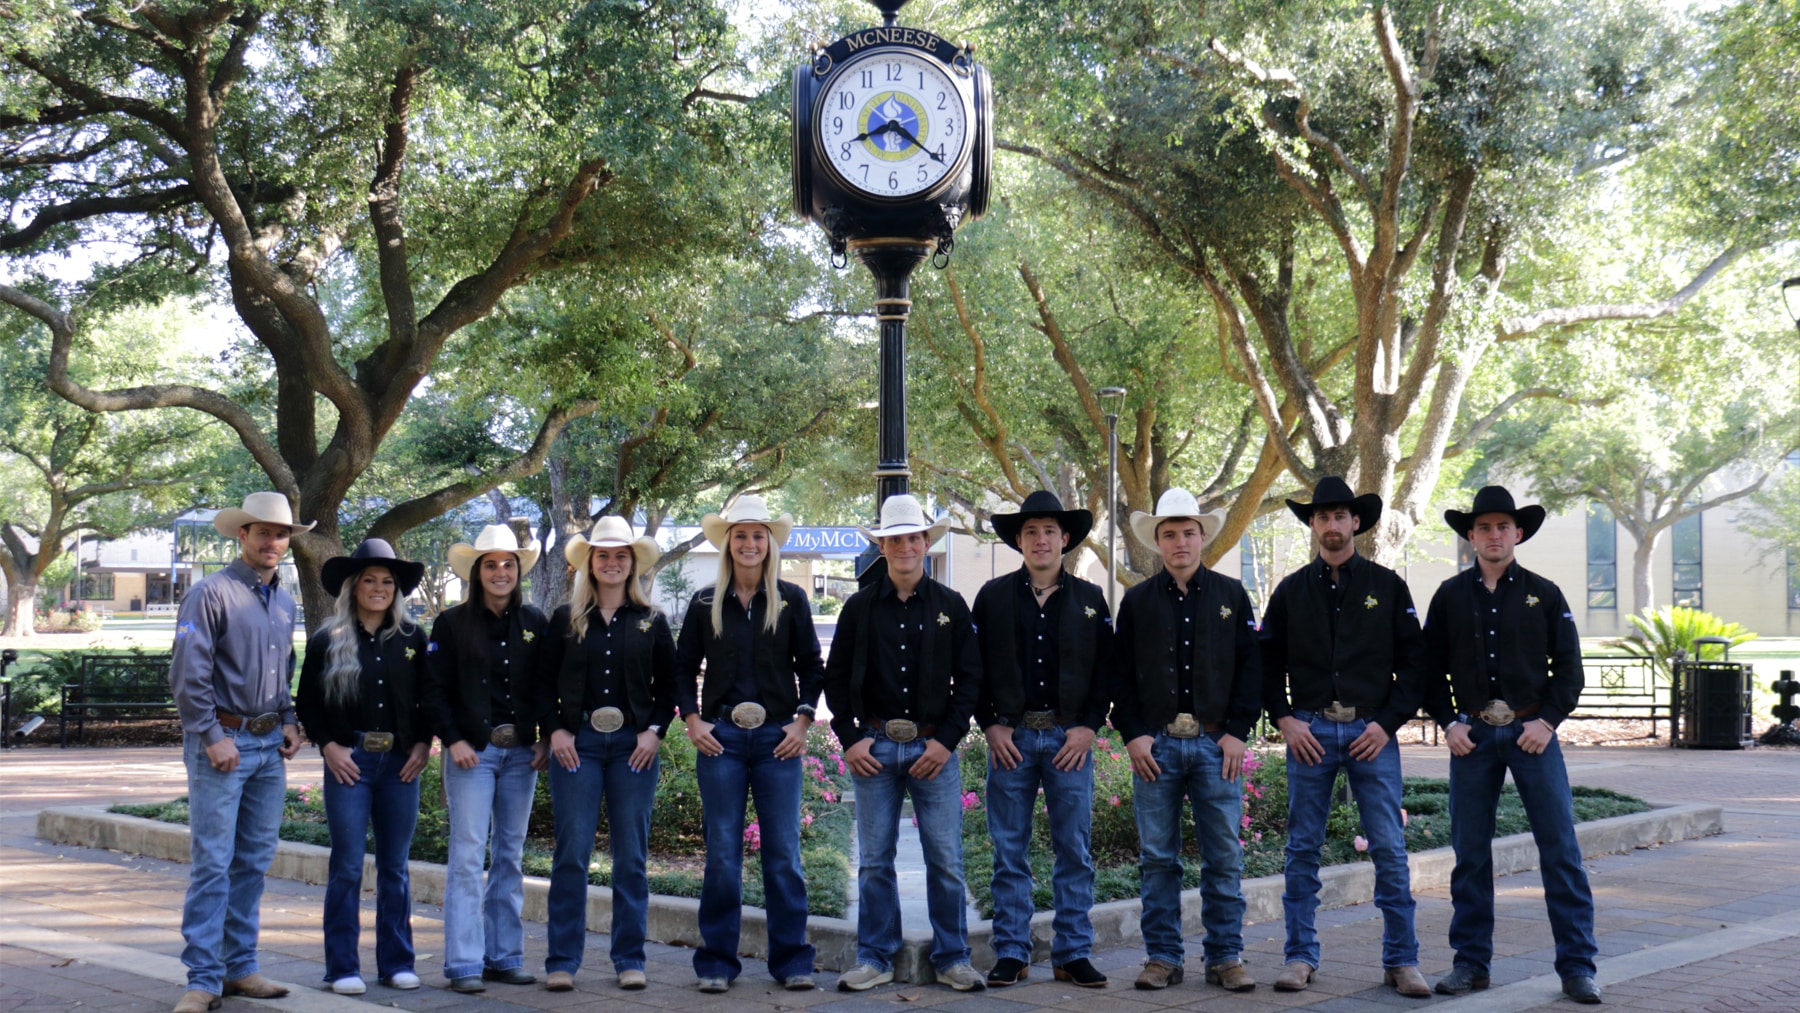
(893, 126)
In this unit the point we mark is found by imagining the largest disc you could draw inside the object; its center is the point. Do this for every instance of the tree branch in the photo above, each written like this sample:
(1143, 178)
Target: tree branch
(1520, 326)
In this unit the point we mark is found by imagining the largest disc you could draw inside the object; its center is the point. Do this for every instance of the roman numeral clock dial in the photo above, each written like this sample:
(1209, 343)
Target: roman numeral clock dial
(892, 125)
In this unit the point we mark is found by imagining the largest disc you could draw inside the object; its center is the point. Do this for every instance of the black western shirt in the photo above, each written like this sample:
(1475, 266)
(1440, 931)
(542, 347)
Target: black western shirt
(1353, 638)
(1191, 651)
(1056, 656)
(1516, 643)
(915, 659)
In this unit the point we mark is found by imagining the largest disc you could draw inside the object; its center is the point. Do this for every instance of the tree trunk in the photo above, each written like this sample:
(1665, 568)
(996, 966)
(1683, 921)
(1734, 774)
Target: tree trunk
(21, 610)
(1643, 588)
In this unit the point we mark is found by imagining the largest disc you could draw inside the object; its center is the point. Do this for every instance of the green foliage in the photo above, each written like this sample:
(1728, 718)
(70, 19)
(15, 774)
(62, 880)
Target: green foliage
(1667, 634)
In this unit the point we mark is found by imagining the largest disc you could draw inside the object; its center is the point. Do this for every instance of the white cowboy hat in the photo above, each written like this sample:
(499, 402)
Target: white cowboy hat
(612, 531)
(1170, 505)
(902, 515)
(493, 538)
(259, 508)
(747, 510)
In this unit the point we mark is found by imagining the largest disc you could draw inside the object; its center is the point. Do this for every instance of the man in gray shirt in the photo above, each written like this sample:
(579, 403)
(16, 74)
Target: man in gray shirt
(233, 659)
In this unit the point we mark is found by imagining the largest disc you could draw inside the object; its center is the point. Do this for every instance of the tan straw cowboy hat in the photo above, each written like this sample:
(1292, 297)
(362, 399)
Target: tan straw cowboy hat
(902, 514)
(612, 531)
(749, 509)
(259, 508)
(1173, 504)
(493, 538)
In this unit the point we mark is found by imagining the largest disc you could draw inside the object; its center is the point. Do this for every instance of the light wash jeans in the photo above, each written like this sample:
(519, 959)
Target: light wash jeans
(1012, 800)
(937, 804)
(234, 823)
(1190, 770)
(490, 806)
(1376, 785)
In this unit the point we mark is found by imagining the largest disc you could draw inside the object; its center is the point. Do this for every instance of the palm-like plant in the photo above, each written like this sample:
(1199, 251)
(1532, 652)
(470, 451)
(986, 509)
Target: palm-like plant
(1667, 635)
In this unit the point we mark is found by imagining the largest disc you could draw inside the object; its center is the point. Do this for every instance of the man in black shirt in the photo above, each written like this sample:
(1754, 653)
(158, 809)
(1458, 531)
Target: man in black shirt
(1188, 690)
(1504, 671)
(1343, 669)
(902, 681)
(1046, 641)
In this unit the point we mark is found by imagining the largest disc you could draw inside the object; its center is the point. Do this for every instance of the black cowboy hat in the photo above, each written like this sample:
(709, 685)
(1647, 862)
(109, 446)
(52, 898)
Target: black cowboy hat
(372, 552)
(1334, 491)
(1076, 523)
(1495, 500)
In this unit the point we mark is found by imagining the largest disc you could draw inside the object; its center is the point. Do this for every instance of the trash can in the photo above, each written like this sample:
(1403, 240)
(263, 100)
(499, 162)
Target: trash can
(1711, 702)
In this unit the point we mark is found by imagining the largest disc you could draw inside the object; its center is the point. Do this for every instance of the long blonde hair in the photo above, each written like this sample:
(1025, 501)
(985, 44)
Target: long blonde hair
(343, 662)
(771, 576)
(583, 601)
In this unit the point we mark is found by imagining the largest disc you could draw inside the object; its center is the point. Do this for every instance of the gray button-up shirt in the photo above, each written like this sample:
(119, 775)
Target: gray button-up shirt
(234, 651)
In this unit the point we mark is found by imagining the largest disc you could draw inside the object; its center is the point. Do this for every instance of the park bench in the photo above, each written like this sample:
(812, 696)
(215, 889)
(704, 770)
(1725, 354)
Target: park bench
(116, 686)
(1615, 687)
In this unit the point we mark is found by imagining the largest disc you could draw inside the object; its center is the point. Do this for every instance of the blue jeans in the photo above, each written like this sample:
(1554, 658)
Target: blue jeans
(1376, 785)
(604, 775)
(392, 806)
(937, 805)
(1012, 798)
(234, 823)
(490, 807)
(748, 766)
(1543, 784)
(1190, 770)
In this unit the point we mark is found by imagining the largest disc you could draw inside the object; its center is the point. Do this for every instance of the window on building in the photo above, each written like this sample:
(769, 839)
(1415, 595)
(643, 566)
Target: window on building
(1686, 548)
(96, 587)
(1602, 557)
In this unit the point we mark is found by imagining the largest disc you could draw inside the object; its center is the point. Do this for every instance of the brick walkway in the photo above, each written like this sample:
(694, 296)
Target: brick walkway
(1703, 925)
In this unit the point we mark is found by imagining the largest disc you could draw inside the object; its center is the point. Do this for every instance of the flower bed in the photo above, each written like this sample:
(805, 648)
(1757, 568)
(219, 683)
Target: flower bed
(677, 841)
(1114, 840)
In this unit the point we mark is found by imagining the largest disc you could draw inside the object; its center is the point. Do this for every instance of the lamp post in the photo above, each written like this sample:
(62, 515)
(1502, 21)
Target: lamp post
(1114, 398)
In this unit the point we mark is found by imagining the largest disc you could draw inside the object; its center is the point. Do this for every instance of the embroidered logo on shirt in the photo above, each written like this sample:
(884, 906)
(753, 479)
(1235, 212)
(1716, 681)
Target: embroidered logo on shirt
(184, 629)
(530, 636)
(1370, 602)
(1530, 600)
(1224, 612)
(644, 626)
(1090, 611)
(943, 620)
(410, 653)
(431, 648)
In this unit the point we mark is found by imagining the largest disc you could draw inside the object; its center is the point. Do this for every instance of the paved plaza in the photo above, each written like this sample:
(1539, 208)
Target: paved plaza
(1710, 925)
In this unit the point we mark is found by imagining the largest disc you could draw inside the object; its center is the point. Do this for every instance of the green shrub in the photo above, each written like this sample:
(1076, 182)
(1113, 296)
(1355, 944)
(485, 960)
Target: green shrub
(1668, 633)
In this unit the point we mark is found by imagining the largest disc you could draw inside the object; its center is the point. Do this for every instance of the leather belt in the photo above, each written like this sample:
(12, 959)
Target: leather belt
(1500, 714)
(262, 724)
(504, 736)
(605, 719)
(747, 715)
(1039, 721)
(1340, 713)
(1187, 726)
(905, 729)
(375, 742)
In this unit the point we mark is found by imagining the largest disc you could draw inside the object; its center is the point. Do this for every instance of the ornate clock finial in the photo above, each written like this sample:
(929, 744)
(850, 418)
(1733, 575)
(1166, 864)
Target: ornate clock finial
(890, 10)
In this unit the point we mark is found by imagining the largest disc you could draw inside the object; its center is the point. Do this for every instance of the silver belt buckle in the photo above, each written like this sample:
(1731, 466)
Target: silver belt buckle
(504, 736)
(1497, 713)
(377, 742)
(1185, 726)
(1339, 713)
(901, 730)
(606, 719)
(1039, 721)
(749, 715)
(263, 724)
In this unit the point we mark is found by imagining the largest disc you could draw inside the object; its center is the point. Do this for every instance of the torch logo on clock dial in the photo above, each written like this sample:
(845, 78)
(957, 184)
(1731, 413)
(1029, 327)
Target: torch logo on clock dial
(903, 111)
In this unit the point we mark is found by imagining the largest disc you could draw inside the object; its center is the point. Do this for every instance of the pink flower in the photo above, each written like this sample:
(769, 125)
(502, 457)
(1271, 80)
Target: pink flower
(1360, 843)
(1113, 755)
(970, 800)
(1245, 822)
(1257, 837)
(806, 820)
(753, 836)
(829, 796)
(1114, 800)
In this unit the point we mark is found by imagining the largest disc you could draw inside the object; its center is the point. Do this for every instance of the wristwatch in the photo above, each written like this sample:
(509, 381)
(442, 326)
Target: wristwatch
(656, 729)
(806, 710)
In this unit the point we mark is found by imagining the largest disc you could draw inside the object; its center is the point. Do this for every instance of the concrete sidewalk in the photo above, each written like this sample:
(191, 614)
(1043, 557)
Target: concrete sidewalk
(1701, 925)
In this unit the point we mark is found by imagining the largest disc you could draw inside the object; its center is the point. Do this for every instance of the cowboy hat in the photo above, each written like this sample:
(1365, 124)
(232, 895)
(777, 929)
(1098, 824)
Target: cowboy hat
(1494, 499)
(1075, 523)
(747, 510)
(259, 508)
(1173, 504)
(902, 515)
(493, 538)
(1334, 491)
(372, 552)
(612, 531)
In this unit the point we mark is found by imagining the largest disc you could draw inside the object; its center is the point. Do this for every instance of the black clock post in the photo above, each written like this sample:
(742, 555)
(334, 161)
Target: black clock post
(893, 148)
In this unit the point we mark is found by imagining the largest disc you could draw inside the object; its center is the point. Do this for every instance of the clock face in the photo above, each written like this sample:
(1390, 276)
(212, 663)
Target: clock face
(892, 124)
